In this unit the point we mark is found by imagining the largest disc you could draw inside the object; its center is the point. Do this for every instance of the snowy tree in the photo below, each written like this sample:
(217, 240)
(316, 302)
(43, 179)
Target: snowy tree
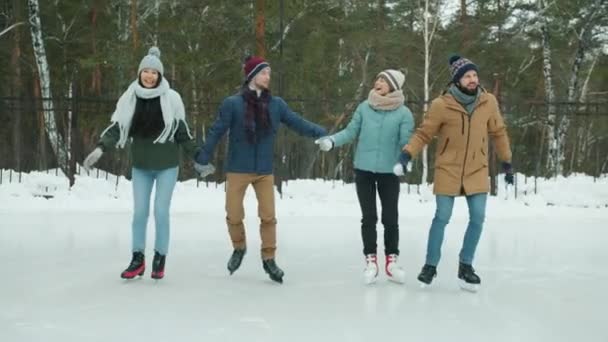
(50, 125)
(551, 126)
(429, 28)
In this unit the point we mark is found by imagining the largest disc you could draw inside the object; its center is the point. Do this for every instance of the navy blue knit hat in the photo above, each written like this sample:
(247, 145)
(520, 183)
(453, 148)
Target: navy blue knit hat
(459, 66)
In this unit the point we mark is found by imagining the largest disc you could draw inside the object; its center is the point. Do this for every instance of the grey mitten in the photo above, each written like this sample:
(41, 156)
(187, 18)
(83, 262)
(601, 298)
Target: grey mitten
(325, 143)
(92, 158)
(204, 170)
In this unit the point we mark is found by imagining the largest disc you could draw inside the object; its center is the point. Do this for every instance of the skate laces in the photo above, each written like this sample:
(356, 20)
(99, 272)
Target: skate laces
(391, 263)
(158, 264)
(467, 269)
(135, 264)
(371, 261)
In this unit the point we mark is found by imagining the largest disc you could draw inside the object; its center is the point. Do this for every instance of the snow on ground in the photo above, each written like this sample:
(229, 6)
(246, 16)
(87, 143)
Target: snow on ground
(542, 259)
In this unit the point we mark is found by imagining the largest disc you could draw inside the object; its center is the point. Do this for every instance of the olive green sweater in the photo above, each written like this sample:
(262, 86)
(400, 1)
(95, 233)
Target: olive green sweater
(146, 154)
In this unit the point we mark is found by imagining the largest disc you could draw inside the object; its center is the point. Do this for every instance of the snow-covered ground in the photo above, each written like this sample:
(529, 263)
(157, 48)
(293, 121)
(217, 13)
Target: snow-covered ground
(542, 259)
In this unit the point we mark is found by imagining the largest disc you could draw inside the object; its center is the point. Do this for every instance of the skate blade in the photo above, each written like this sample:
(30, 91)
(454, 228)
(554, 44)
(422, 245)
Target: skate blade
(397, 280)
(370, 281)
(231, 270)
(473, 288)
(424, 286)
(276, 280)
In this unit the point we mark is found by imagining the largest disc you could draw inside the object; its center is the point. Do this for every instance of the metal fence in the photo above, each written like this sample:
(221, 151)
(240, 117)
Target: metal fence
(24, 145)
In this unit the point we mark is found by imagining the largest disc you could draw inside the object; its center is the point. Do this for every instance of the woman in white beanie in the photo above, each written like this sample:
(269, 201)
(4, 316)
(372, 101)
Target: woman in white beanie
(382, 124)
(152, 117)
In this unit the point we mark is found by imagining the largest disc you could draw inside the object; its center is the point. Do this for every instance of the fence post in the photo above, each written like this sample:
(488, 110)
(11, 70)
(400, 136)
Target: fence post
(72, 122)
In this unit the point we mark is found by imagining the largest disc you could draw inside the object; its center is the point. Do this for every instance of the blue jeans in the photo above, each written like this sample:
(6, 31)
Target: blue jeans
(477, 213)
(143, 181)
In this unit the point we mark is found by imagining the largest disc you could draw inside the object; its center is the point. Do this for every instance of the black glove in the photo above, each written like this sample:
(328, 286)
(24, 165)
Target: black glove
(400, 169)
(202, 157)
(508, 169)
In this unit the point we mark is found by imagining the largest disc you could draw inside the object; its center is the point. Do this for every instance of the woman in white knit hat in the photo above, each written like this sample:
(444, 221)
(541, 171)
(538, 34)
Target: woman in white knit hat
(152, 117)
(382, 124)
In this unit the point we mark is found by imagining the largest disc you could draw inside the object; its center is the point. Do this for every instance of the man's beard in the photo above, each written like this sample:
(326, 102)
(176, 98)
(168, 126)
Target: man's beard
(468, 91)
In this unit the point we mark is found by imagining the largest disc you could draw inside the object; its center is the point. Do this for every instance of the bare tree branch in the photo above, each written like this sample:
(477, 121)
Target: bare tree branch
(286, 29)
(8, 29)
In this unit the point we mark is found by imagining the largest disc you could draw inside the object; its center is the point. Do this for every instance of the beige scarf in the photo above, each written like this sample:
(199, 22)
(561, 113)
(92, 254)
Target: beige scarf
(390, 101)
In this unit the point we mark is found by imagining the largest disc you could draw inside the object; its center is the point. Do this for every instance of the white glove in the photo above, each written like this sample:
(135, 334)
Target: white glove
(92, 158)
(204, 170)
(325, 143)
(398, 170)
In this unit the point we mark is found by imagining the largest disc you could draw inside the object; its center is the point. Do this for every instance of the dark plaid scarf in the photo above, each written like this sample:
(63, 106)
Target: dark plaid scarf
(257, 117)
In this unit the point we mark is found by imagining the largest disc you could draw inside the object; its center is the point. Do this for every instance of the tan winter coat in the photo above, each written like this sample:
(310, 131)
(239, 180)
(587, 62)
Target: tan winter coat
(461, 161)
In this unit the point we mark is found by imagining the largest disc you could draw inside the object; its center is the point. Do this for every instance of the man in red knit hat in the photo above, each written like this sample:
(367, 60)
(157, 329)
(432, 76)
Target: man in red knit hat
(253, 117)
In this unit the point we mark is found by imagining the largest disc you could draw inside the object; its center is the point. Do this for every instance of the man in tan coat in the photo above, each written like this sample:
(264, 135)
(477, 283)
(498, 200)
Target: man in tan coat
(462, 119)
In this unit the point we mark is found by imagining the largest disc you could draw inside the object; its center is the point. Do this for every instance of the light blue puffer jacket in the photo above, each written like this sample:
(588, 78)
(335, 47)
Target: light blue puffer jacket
(381, 136)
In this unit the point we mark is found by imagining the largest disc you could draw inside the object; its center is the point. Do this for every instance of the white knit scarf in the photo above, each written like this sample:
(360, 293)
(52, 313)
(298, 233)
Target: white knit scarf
(170, 103)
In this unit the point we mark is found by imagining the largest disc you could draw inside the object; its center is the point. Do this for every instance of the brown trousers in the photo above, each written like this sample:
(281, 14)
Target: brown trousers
(236, 186)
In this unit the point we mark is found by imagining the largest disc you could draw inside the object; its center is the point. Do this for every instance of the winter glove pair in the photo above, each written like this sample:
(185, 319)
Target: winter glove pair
(508, 170)
(400, 169)
(92, 158)
(325, 143)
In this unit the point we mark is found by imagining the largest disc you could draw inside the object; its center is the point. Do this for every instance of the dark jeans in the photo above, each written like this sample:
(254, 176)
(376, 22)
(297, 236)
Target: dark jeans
(387, 186)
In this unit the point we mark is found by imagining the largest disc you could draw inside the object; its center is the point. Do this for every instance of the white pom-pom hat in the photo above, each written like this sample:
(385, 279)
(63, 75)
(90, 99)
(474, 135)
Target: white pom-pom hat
(152, 61)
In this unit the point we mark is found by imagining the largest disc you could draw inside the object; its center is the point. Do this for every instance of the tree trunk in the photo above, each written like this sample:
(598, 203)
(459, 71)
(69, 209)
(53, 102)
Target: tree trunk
(72, 129)
(50, 125)
(466, 36)
(428, 35)
(260, 47)
(553, 165)
(425, 108)
(16, 89)
(380, 31)
(96, 77)
(156, 20)
(41, 160)
(564, 122)
(585, 133)
(584, 41)
(134, 32)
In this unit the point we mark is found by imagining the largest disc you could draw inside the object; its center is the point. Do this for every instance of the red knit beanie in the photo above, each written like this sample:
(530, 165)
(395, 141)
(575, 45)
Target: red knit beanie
(253, 65)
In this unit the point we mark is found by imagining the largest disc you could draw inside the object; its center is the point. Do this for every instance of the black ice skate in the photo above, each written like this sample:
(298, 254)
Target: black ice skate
(158, 266)
(274, 272)
(427, 274)
(136, 267)
(468, 279)
(235, 260)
